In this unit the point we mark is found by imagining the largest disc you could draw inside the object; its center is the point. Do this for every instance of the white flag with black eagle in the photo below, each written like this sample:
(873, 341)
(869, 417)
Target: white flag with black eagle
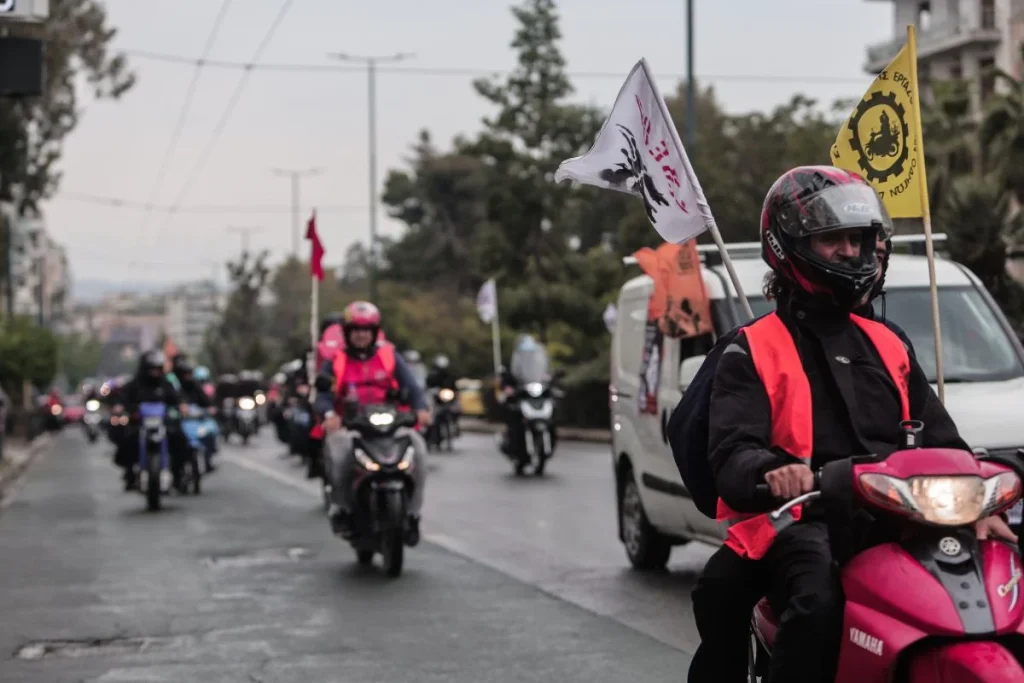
(638, 151)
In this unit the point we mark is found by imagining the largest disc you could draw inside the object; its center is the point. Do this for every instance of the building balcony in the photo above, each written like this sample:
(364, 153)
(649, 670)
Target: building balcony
(936, 40)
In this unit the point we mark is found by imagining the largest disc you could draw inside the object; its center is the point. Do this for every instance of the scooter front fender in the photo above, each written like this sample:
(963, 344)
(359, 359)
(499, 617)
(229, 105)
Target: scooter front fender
(965, 662)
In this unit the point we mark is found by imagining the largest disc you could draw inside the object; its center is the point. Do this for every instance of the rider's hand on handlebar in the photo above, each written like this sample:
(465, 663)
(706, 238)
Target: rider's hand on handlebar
(790, 481)
(994, 527)
(183, 407)
(424, 417)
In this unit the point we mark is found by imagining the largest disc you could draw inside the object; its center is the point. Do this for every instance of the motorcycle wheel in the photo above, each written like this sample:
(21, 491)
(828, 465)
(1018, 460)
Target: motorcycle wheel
(153, 486)
(196, 473)
(542, 457)
(392, 545)
(245, 438)
(364, 557)
(446, 436)
(92, 437)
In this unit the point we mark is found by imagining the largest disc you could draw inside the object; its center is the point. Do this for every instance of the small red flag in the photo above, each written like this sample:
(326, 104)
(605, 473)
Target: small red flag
(316, 268)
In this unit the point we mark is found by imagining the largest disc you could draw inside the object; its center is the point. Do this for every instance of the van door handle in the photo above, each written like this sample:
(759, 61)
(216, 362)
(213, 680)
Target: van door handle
(664, 426)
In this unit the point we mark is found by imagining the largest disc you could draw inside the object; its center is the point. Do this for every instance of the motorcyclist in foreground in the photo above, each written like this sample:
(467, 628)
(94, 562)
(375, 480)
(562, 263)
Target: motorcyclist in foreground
(723, 624)
(810, 384)
(370, 373)
(192, 392)
(150, 385)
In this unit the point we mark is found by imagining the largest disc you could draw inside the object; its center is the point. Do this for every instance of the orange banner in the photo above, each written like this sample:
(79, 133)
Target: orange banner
(679, 302)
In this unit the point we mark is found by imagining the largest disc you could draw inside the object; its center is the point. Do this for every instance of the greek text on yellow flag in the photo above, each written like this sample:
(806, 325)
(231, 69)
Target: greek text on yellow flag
(882, 140)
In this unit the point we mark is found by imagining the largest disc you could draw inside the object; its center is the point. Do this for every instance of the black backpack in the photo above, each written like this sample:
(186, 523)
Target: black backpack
(688, 430)
(689, 426)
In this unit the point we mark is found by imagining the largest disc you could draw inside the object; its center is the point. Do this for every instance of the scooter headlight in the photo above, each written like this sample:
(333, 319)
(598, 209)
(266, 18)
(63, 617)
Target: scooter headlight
(367, 463)
(246, 403)
(92, 404)
(535, 389)
(943, 501)
(446, 395)
(407, 459)
(261, 399)
(56, 410)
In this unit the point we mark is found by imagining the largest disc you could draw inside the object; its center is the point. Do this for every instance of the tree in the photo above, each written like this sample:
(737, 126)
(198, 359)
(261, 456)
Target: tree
(1002, 133)
(32, 131)
(27, 352)
(952, 146)
(981, 224)
(79, 357)
(238, 341)
(443, 203)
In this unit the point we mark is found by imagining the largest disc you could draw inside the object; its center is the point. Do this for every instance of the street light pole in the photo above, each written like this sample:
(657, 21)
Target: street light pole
(245, 233)
(295, 175)
(371, 74)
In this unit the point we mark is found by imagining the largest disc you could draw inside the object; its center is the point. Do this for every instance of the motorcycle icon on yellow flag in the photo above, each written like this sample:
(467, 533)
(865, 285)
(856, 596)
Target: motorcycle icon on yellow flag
(882, 141)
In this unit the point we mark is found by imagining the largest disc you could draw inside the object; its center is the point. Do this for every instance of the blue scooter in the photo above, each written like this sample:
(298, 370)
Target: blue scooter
(154, 467)
(195, 425)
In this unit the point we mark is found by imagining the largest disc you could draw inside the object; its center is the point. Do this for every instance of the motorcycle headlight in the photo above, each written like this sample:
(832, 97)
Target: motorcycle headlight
(943, 501)
(56, 410)
(407, 458)
(535, 389)
(261, 399)
(92, 404)
(446, 395)
(381, 419)
(367, 463)
(246, 403)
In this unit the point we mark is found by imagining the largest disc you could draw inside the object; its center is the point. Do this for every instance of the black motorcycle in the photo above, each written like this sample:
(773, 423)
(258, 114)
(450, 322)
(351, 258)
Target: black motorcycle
(442, 430)
(535, 403)
(383, 492)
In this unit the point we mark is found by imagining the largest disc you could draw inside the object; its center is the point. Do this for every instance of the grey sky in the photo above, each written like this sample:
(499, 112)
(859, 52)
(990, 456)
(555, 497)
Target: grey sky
(293, 119)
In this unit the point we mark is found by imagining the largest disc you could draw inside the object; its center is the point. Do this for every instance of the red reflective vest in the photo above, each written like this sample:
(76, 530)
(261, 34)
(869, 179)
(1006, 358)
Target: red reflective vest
(373, 378)
(778, 364)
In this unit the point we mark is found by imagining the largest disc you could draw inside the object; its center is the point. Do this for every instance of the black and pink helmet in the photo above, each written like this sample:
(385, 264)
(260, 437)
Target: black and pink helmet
(813, 200)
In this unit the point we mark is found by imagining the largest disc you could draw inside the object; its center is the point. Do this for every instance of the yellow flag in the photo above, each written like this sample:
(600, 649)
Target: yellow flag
(882, 141)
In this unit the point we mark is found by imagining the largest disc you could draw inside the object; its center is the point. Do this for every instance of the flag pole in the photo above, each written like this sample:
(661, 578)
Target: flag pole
(314, 305)
(926, 216)
(496, 335)
(711, 225)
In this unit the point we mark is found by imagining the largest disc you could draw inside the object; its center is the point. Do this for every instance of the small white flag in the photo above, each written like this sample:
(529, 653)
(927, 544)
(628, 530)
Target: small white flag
(611, 314)
(638, 151)
(487, 301)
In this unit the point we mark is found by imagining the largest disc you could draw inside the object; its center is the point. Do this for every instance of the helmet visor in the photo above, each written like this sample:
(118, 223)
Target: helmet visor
(843, 207)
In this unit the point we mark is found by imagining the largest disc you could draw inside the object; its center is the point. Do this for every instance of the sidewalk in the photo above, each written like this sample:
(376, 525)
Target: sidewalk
(474, 424)
(18, 455)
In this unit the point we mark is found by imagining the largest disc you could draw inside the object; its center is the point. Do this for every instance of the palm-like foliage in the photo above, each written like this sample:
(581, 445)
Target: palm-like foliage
(1002, 133)
(981, 223)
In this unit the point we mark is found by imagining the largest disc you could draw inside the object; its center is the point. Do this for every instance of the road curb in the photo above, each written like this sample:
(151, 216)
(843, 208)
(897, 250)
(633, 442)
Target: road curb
(10, 474)
(478, 426)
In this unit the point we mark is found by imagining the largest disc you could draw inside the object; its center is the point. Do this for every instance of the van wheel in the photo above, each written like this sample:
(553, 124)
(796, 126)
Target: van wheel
(645, 547)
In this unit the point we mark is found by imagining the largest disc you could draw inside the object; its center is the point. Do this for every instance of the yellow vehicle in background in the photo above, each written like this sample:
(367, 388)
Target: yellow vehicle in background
(471, 399)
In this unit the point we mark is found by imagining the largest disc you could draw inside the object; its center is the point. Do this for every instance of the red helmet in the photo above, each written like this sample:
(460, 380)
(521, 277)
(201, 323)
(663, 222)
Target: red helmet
(813, 200)
(360, 315)
(332, 341)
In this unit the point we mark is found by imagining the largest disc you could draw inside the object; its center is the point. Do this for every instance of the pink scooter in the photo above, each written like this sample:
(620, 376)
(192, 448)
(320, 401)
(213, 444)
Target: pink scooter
(939, 606)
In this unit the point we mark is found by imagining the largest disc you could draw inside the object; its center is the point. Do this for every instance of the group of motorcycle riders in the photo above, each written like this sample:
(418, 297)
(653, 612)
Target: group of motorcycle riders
(356, 366)
(826, 268)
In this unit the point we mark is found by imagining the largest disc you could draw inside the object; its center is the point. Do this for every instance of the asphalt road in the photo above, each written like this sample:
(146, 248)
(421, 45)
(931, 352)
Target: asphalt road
(516, 580)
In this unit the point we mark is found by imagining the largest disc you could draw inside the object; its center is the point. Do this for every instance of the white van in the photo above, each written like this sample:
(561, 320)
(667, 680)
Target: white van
(984, 374)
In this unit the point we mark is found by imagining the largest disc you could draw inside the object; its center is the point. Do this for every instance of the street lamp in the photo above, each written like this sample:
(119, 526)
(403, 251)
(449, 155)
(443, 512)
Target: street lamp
(295, 175)
(371, 72)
